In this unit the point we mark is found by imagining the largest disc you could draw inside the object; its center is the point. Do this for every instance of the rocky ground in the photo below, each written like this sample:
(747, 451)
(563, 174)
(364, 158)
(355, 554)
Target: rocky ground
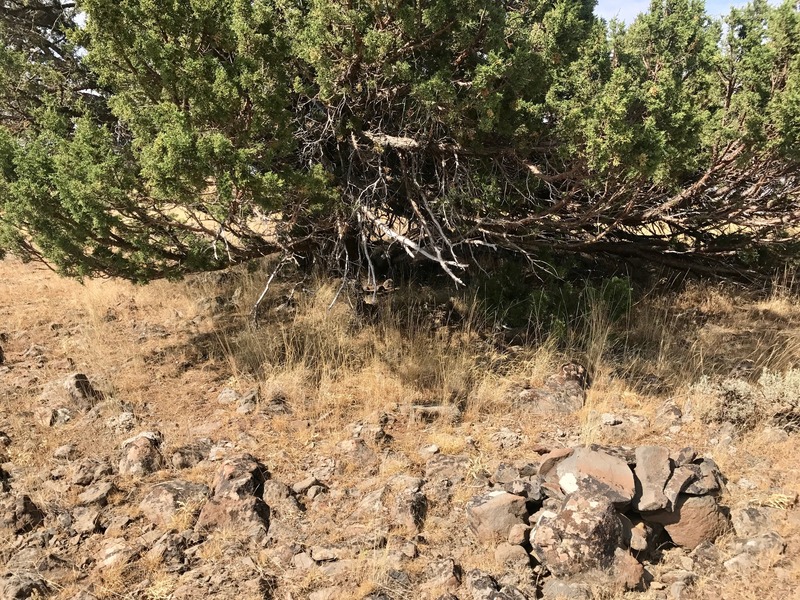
(149, 449)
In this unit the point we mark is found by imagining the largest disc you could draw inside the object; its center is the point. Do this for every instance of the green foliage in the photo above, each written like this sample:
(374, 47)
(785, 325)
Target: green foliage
(167, 137)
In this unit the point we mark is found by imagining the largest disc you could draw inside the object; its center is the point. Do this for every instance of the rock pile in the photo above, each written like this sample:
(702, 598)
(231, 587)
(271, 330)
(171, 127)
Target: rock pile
(592, 512)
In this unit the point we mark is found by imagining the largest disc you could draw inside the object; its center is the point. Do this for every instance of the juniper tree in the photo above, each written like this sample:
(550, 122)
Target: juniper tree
(160, 138)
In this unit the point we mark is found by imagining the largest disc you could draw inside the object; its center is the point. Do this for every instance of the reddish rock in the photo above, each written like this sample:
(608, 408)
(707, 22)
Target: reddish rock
(694, 520)
(585, 469)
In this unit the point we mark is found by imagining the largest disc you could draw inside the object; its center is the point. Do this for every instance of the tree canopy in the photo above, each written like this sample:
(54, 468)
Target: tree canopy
(152, 138)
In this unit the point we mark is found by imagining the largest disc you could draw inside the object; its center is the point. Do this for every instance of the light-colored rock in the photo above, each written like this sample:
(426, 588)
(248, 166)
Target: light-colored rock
(750, 521)
(65, 452)
(511, 556)
(141, 454)
(491, 516)
(114, 551)
(164, 501)
(97, 493)
(651, 475)
(556, 589)
(695, 519)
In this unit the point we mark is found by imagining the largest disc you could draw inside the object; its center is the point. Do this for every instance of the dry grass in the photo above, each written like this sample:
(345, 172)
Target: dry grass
(165, 351)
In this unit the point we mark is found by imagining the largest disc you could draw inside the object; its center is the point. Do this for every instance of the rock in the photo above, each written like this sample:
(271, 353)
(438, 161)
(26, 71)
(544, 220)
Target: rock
(168, 552)
(556, 589)
(237, 502)
(302, 486)
(141, 454)
(769, 542)
(442, 574)
(224, 580)
(651, 475)
(228, 396)
(483, 586)
(50, 417)
(596, 472)
(562, 393)
(750, 521)
(20, 514)
(445, 466)
(684, 456)
(609, 420)
(27, 584)
(81, 390)
(707, 478)
(97, 493)
(303, 561)
(248, 402)
(165, 501)
(65, 452)
(681, 477)
(636, 533)
(628, 573)
(505, 439)
(447, 413)
(240, 477)
(511, 555)
(85, 520)
(492, 515)
(518, 534)
(583, 536)
(122, 423)
(114, 551)
(189, 455)
(90, 470)
(695, 519)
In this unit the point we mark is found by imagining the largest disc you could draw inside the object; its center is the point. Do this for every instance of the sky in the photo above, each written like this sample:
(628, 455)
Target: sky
(627, 11)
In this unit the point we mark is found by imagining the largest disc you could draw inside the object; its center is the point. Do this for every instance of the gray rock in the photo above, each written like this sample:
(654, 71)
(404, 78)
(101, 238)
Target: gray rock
(556, 589)
(19, 514)
(651, 475)
(97, 493)
(442, 574)
(26, 584)
(164, 501)
(681, 477)
(491, 516)
(89, 470)
(750, 521)
(707, 479)
(65, 452)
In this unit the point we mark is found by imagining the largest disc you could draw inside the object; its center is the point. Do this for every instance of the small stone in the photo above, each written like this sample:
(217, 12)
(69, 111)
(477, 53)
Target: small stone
(303, 561)
(518, 534)
(97, 493)
(302, 486)
(556, 589)
(65, 452)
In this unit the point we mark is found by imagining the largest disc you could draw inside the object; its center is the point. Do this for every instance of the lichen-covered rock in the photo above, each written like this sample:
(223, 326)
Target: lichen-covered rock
(582, 536)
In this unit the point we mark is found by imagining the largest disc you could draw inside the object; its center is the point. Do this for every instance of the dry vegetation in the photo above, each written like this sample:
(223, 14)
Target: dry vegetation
(166, 351)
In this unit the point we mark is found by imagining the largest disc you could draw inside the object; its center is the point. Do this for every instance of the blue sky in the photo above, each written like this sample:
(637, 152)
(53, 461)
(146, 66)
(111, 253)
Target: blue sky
(627, 11)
